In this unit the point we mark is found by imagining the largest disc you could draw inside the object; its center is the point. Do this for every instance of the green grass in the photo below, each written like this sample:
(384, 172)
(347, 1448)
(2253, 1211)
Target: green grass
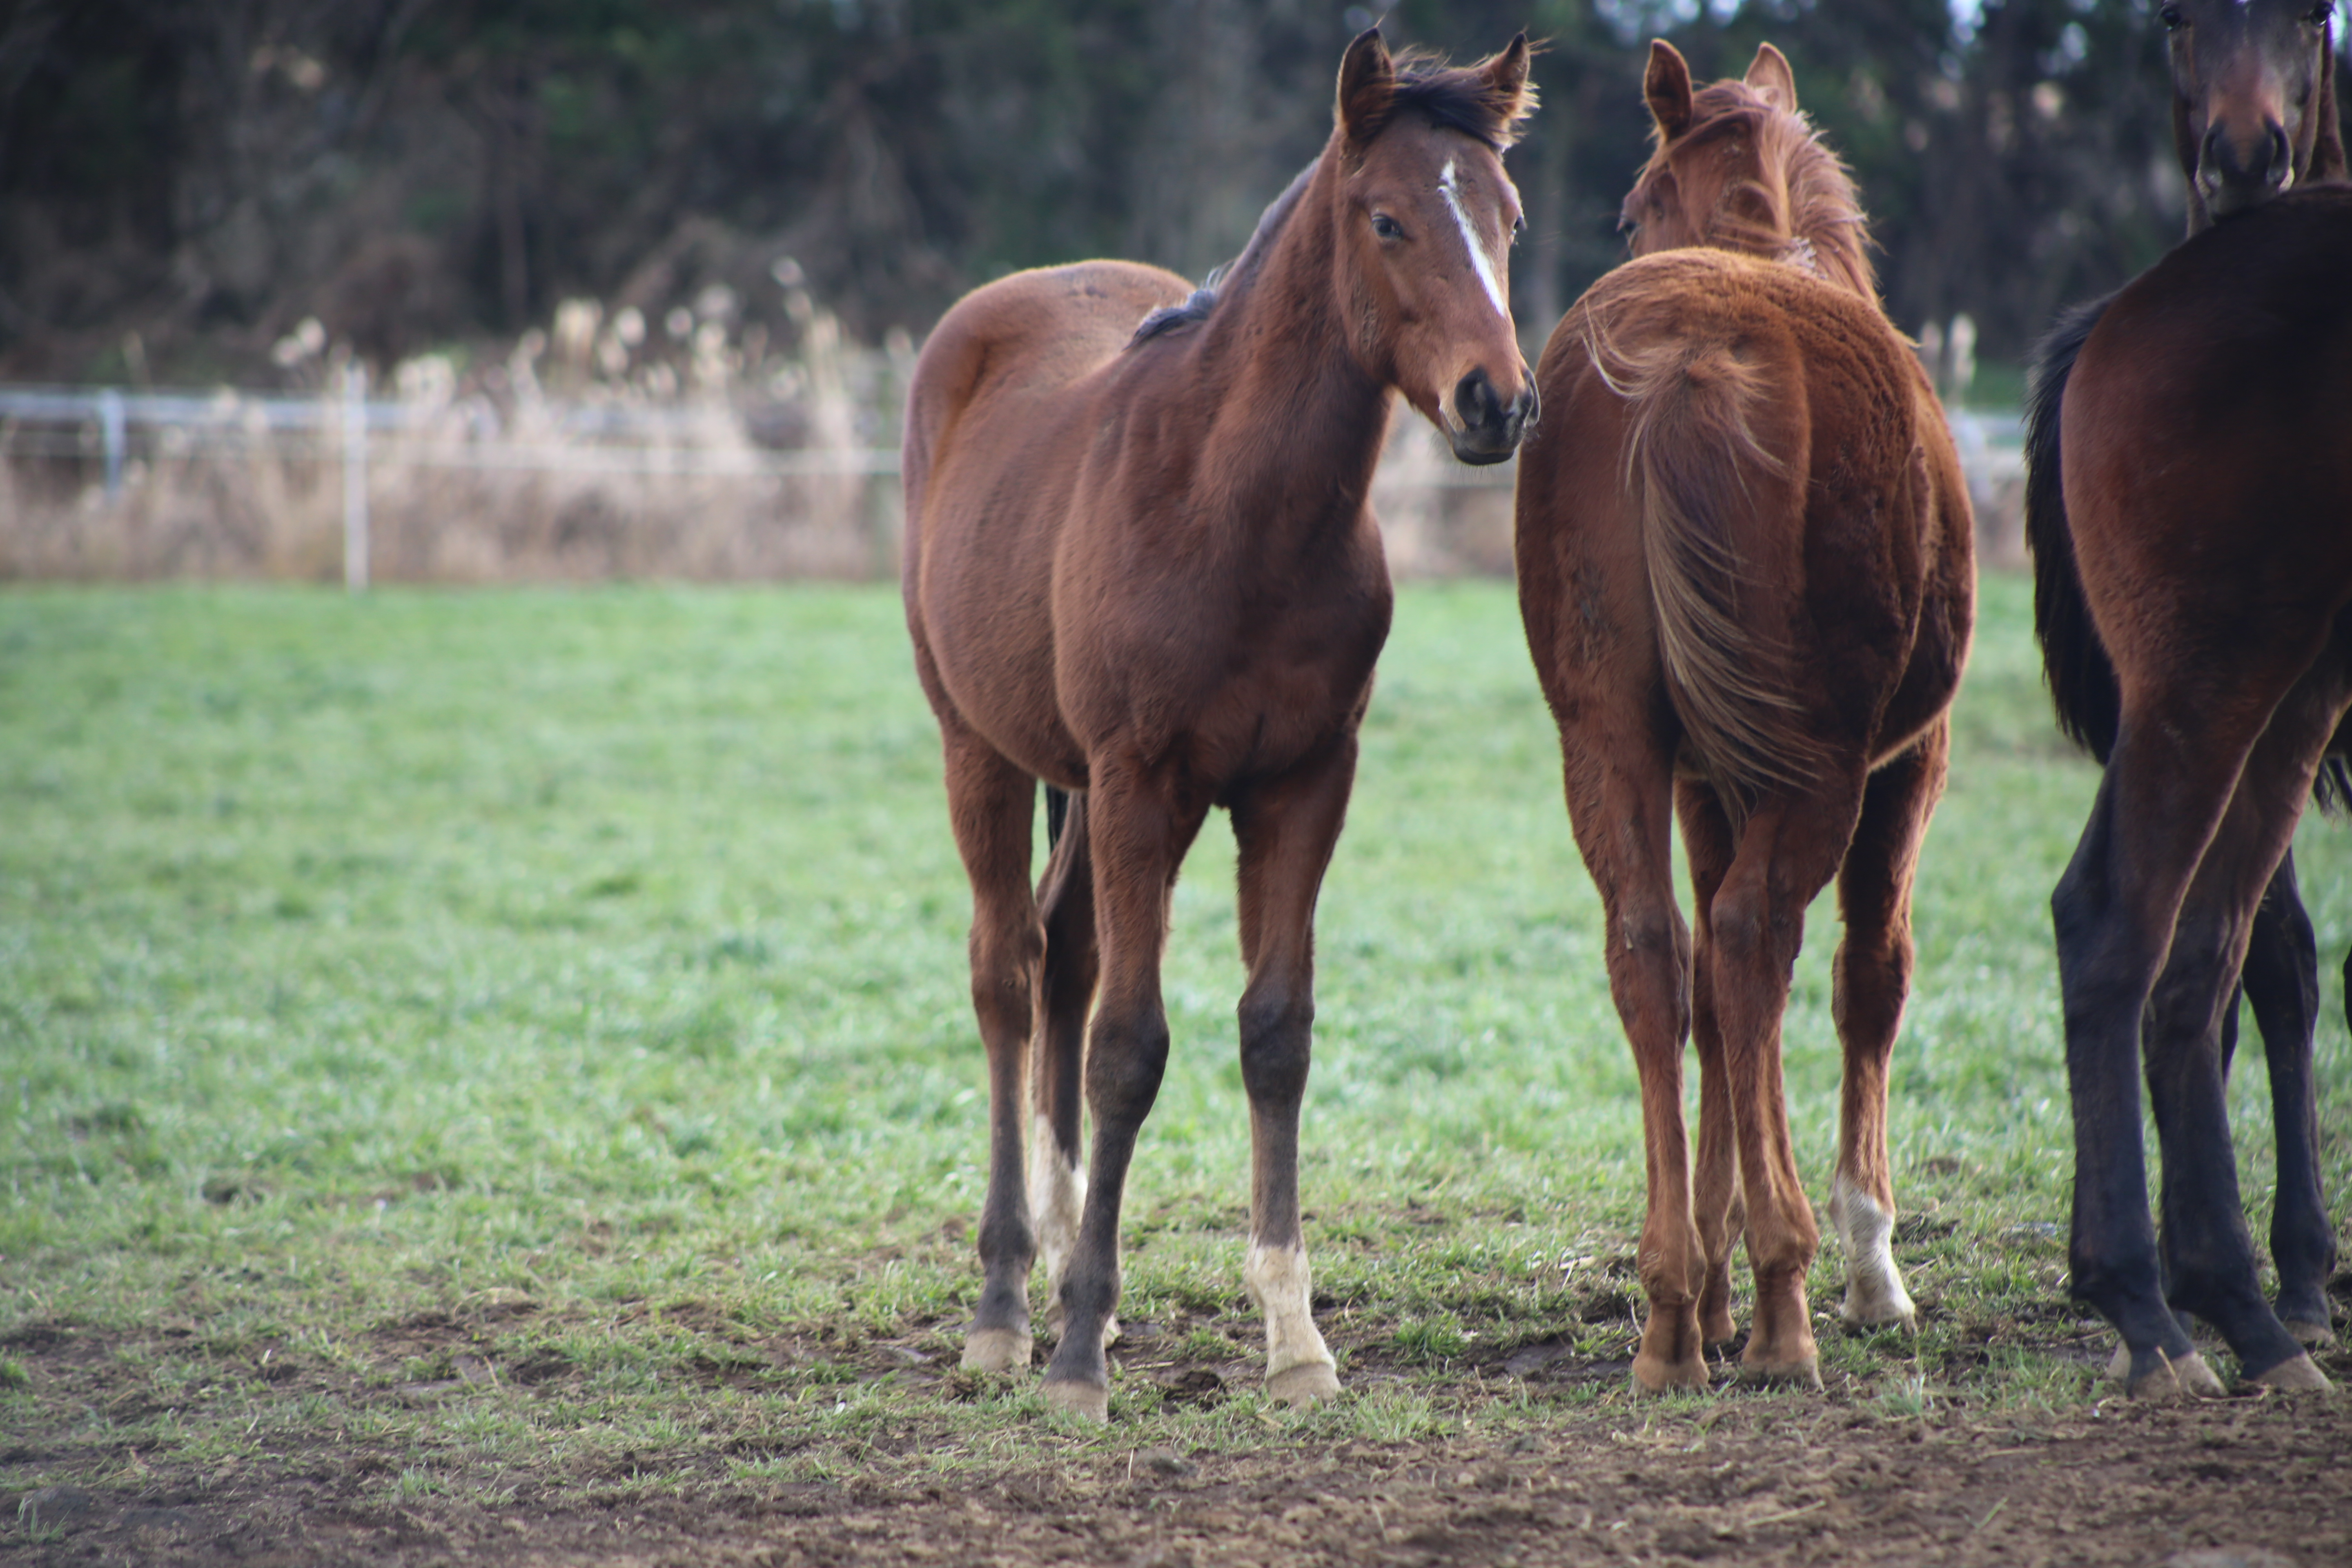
(527, 1036)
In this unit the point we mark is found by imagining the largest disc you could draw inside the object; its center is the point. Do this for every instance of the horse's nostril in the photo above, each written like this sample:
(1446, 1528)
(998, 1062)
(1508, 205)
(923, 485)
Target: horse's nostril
(1475, 399)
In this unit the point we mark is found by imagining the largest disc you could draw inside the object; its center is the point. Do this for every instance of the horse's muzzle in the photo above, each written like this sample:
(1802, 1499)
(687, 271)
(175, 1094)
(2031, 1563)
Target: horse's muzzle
(2233, 178)
(1490, 429)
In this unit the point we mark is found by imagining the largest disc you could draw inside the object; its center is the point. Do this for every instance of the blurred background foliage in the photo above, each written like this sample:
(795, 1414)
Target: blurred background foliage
(180, 185)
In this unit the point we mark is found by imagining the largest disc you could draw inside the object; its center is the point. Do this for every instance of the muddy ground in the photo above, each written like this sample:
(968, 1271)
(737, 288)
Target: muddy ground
(1839, 1478)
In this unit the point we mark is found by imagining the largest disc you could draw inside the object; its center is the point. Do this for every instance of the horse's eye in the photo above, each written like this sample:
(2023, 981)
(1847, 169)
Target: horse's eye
(1518, 227)
(2172, 18)
(2321, 13)
(1386, 227)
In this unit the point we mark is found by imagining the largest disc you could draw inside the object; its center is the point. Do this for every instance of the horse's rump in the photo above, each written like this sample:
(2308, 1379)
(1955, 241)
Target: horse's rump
(1021, 344)
(1009, 391)
(1733, 373)
(2084, 689)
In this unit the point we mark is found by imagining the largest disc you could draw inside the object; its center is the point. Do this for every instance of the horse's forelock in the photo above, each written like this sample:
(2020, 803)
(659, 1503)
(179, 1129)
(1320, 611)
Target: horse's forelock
(1456, 97)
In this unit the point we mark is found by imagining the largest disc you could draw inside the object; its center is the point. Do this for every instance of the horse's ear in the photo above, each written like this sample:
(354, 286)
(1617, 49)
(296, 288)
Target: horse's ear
(1507, 80)
(1667, 86)
(1772, 78)
(1366, 82)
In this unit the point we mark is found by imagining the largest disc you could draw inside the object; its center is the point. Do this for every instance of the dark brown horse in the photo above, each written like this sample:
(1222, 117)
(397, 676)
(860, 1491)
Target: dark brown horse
(1747, 572)
(2253, 116)
(2207, 484)
(1140, 566)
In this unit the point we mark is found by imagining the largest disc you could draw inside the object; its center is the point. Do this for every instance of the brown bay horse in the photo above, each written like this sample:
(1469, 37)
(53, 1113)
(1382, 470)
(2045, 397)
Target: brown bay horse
(1746, 572)
(2253, 117)
(1141, 567)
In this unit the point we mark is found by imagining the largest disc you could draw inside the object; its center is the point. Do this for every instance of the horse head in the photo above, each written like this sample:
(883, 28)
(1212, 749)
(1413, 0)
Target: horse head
(2254, 102)
(1425, 217)
(1736, 167)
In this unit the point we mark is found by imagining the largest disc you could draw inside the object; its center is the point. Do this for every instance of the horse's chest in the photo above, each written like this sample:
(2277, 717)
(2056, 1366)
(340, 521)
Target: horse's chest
(1239, 694)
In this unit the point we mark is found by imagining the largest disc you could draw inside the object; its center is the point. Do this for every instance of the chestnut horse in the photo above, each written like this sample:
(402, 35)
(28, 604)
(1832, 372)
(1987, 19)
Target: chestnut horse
(1747, 570)
(1140, 566)
(2253, 116)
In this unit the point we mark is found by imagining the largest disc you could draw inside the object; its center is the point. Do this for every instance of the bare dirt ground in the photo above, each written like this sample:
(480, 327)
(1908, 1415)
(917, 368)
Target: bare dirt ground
(1737, 1479)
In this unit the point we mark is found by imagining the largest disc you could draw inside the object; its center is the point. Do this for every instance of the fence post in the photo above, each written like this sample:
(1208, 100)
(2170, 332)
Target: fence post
(109, 428)
(355, 497)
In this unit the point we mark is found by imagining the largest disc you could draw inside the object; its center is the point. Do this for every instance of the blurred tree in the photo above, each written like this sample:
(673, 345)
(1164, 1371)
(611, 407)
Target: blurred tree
(425, 170)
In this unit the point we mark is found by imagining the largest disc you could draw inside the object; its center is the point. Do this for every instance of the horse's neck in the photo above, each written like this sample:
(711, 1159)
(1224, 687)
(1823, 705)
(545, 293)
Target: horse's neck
(1297, 414)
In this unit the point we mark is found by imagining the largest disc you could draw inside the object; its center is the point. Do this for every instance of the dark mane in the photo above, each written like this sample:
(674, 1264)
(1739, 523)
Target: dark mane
(1175, 318)
(1453, 98)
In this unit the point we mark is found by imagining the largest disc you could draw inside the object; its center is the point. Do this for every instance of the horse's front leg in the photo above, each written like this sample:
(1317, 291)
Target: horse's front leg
(1285, 828)
(1620, 787)
(1872, 981)
(1139, 826)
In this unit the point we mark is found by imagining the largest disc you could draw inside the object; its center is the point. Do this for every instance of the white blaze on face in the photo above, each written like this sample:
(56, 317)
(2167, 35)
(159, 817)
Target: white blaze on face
(1479, 261)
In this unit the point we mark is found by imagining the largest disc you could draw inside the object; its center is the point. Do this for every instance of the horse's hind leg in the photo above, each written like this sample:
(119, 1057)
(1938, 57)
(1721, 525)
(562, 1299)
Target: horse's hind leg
(1138, 828)
(2156, 899)
(2282, 984)
(990, 803)
(1789, 849)
(1285, 828)
(1057, 1188)
(1717, 1206)
(1620, 790)
(1872, 981)
(2208, 1255)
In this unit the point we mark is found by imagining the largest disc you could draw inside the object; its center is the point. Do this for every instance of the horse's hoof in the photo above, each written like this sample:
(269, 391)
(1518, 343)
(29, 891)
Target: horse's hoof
(995, 1350)
(2311, 1335)
(1083, 1400)
(1863, 1317)
(1310, 1382)
(1805, 1374)
(1661, 1376)
(2118, 1365)
(2296, 1375)
(2178, 1377)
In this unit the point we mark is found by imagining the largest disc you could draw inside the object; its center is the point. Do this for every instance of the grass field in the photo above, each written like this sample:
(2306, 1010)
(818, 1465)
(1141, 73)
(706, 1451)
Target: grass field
(520, 1041)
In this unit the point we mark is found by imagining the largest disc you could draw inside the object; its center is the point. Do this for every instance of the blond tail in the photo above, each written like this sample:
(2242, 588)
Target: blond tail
(1704, 478)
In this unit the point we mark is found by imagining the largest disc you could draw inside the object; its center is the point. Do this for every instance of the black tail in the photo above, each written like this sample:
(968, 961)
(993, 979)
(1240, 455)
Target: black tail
(2074, 662)
(1058, 810)
(2083, 686)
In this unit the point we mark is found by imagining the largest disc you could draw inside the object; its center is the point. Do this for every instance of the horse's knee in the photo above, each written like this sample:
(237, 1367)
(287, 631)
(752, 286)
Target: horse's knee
(1126, 1059)
(1739, 925)
(1276, 1040)
(1005, 956)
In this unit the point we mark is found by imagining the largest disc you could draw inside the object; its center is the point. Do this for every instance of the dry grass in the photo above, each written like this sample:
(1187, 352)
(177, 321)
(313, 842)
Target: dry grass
(600, 449)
